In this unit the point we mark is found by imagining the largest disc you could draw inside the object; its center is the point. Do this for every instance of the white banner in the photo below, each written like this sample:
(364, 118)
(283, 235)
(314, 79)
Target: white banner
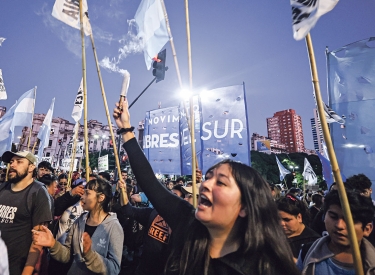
(3, 93)
(79, 149)
(49, 159)
(67, 11)
(103, 163)
(65, 164)
(78, 104)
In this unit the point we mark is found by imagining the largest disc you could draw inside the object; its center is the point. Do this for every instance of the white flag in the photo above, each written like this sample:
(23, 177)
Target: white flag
(331, 115)
(305, 14)
(308, 173)
(282, 169)
(78, 104)
(2, 39)
(67, 11)
(45, 130)
(3, 93)
(152, 28)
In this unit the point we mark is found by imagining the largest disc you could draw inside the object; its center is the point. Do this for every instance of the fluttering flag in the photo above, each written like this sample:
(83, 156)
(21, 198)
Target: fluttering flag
(308, 173)
(152, 28)
(78, 104)
(6, 135)
(45, 130)
(3, 93)
(23, 114)
(282, 169)
(2, 39)
(327, 169)
(331, 115)
(20, 114)
(67, 11)
(305, 14)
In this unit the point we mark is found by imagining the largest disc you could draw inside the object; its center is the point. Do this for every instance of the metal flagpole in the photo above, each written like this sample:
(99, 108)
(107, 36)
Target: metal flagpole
(193, 155)
(332, 156)
(32, 119)
(115, 151)
(84, 91)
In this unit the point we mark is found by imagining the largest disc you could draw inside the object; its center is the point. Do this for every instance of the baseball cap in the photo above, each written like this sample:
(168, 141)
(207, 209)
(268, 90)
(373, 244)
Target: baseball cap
(189, 189)
(8, 155)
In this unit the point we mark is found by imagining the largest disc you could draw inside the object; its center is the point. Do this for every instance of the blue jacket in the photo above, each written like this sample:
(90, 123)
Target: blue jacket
(106, 248)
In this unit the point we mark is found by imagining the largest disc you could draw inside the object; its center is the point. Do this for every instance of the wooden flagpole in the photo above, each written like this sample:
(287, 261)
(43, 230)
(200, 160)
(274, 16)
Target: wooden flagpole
(32, 119)
(193, 155)
(76, 130)
(176, 64)
(335, 167)
(84, 92)
(115, 151)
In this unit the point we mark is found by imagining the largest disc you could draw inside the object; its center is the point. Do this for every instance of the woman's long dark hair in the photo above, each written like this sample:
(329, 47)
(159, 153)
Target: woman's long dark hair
(262, 240)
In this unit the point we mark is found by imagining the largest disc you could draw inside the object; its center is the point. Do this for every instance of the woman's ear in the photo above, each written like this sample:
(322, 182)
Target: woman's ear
(243, 212)
(101, 197)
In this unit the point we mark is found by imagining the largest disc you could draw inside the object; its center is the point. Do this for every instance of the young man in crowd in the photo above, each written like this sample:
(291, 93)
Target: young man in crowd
(24, 205)
(44, 167)
(332, 254)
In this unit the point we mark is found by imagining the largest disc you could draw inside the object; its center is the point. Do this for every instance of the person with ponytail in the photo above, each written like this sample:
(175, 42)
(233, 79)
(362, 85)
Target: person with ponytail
(96, 237)
(235, 228)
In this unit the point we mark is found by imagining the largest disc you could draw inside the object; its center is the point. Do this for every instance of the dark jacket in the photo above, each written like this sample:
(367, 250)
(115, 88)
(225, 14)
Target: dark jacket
(179, 214)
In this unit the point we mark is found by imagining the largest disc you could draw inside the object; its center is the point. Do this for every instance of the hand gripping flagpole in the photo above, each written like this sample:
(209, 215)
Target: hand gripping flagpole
(84, 91)
(115, 151)
(193, 155)
(332, 156)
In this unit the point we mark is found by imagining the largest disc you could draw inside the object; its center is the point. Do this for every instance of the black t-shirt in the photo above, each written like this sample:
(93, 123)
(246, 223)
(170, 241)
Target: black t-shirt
(90, 229)
(307, 236)
(17, 220)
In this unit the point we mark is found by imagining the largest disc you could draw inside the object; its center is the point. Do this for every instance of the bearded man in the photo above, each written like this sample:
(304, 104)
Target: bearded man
(24, 205)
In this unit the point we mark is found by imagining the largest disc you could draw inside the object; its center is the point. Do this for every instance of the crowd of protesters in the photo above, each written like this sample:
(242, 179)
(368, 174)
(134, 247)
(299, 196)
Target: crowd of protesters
(141, 225)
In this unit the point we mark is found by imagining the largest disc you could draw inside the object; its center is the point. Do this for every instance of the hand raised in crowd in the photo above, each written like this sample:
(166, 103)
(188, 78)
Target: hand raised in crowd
(43, 237)
(121, 114)
(199, 175)
(86, 243)
(78, 191)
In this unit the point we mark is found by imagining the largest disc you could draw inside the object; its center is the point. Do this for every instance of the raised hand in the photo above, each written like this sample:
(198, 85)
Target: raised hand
(86, 243)
(121, 114)
(79, 190)
(43, 237)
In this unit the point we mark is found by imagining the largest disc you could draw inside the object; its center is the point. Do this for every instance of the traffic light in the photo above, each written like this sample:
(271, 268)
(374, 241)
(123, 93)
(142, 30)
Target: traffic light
(159, 66)
(60, 141)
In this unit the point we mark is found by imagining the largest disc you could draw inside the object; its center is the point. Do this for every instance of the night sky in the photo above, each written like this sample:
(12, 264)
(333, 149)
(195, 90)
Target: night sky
(233, 41)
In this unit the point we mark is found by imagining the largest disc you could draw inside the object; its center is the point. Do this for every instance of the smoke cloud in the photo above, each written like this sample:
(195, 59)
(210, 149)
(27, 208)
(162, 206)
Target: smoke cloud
(130, 44)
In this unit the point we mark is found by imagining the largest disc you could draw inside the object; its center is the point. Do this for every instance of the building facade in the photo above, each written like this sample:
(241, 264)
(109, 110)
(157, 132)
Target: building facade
(285, 127)
(266, 145)
(317, 132)
(62, 132)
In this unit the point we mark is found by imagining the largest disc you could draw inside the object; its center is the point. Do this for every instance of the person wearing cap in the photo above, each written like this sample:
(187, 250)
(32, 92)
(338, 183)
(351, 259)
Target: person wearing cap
(44, 167)
(188, 191)
(24, 204)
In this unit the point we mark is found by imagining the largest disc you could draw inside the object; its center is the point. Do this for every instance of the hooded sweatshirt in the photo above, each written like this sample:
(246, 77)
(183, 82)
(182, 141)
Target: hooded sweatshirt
(319, 252)
(106, 247)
